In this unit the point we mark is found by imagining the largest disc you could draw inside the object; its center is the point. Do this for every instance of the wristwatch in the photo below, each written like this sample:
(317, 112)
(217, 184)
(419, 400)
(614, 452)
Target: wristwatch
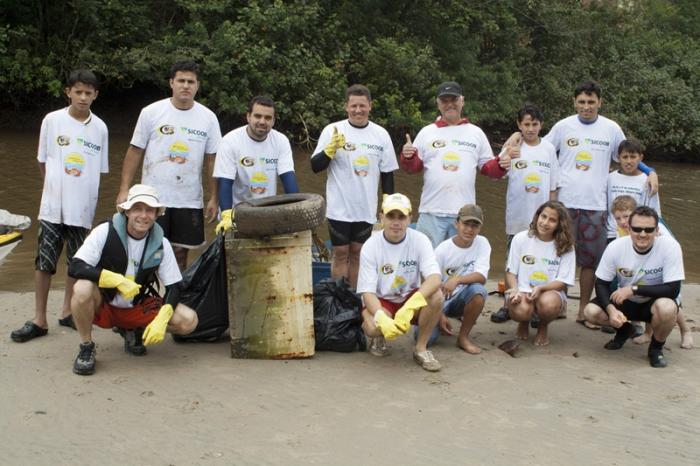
(634, 289)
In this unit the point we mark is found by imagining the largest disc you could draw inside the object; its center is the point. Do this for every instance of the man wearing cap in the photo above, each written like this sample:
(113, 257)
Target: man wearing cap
(449, 151)
(250, 159)
(118, 268)
(357, 153)
(399, 282)
(177, 139)
(464, 262)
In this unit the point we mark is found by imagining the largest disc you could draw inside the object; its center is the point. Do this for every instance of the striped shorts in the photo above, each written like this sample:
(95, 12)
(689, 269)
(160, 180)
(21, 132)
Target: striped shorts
(50, 241)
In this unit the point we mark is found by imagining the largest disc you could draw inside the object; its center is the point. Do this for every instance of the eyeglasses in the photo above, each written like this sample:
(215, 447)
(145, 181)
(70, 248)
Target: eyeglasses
(648, 230)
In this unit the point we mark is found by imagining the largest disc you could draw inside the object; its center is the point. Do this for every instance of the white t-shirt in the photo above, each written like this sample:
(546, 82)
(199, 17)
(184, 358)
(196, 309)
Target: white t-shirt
(620, 184)
(91, 253)
(535, 262)
(451, 156)
(663, 264)
(585, 151)
(353, 174)
(175, 142)
(75, 153)
(530, 179)
(455, 261)
(253, 165)
(393, 271)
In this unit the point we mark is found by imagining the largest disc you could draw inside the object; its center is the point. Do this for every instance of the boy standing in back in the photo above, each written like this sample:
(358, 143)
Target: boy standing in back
(72, 154)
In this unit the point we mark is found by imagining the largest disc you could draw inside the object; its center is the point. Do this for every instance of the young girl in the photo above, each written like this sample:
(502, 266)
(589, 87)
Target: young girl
(541, 264)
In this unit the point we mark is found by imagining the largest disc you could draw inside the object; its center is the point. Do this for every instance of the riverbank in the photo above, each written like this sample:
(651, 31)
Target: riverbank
(569, 403)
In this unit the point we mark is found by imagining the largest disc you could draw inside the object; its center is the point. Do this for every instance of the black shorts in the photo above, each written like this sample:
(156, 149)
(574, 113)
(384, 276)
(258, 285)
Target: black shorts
(344, 233)
(183, 227)
(640, 312)
(50, 239)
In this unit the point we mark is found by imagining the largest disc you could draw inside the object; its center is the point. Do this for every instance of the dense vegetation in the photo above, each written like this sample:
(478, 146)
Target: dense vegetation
(645, 53)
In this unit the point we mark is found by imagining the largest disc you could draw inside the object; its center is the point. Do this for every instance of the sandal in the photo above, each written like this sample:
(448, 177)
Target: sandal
(67, 321)
(29, 331)
(587, 324)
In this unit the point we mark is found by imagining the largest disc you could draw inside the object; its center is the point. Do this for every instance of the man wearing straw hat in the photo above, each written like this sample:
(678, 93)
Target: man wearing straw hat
(118, 268)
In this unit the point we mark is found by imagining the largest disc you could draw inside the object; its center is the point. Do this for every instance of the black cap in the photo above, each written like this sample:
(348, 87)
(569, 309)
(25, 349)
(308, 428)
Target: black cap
(449, 88)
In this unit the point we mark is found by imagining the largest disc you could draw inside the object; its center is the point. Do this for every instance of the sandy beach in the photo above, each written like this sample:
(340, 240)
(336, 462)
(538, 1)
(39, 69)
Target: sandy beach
(188, 404)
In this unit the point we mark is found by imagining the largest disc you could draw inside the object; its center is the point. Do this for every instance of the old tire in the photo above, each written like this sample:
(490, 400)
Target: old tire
(278, 215)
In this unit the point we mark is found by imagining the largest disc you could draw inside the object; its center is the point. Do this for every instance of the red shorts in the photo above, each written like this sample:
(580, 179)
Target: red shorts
(391, 307)
(108, 316)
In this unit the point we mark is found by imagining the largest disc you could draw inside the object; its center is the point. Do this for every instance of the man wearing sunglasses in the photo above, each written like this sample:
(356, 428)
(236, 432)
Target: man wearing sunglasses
(649, 269)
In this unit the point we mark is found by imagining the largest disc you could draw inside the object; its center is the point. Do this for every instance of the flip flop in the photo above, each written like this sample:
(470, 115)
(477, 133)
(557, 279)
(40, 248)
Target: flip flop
(587, 324)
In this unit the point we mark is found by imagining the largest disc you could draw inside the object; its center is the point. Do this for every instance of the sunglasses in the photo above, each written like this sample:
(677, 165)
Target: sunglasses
(648, 230)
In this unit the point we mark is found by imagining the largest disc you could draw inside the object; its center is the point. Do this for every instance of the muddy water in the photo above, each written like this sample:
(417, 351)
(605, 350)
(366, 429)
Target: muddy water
(20, 192)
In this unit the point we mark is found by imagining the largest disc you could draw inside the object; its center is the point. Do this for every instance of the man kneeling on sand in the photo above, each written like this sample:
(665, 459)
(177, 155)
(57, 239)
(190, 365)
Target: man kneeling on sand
(649, 269)
(118, 268)
(392, 263)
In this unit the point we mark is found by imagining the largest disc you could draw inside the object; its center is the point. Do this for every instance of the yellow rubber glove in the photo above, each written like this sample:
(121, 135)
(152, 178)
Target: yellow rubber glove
(404, 315)
(226, 222)
(337, 142)
(386, 325)
(127, 288)
(155, 331)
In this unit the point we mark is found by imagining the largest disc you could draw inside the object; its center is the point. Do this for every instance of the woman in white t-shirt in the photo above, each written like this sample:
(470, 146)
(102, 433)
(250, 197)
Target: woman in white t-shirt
(541, 264)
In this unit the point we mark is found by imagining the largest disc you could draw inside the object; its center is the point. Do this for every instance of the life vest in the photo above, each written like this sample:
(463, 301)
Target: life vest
(114, 257)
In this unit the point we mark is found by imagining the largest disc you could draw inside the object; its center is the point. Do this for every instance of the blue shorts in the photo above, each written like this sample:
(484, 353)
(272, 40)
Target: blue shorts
(436, 228)
(454, 307)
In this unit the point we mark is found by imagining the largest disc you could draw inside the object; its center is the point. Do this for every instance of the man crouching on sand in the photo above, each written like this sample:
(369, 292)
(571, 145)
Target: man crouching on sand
(392, 263)
(118, 268)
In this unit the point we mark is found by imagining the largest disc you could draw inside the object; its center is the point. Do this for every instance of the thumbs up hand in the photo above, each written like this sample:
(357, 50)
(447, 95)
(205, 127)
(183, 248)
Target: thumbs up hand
(337, 142)
(409, 150)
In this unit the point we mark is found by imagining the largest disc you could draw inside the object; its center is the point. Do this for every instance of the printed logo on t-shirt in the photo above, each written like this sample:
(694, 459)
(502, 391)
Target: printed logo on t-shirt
(583, 161)
(438, 144)
(528, 259)
(90, 147)
(572, 142)
(63, 140)
(450, 162)
(258, 183)
(247, 161)
(627, 273)
(398, 284)
(372, 147)
(450, 271)
(196, 134)
(349, 147)
(166, 129)
(360, 165)
(269, 162)
(178, 152)
(538, 278)
(387, 269)
(519, 164)
(532, 183)
(74, 164)
(596, 142)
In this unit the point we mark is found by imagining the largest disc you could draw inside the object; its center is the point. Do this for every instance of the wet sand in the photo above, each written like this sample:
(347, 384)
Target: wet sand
(187, 404)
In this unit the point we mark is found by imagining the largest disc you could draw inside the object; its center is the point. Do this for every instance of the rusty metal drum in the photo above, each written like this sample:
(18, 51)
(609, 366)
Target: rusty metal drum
(270, 296)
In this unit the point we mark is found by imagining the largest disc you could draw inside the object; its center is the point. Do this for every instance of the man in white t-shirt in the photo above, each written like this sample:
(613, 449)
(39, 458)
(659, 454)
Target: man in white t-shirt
(250, 159)
(649, 270)
(358, 154)
(399, 282)
(117, 270)
(72, 154)
(464, 262)
(449, 152)
(177, 139)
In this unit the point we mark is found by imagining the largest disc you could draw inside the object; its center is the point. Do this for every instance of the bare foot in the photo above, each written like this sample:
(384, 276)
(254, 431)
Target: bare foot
(523, 331)
(643, 338)
(468, 346)
(541, 339)
(687, 341)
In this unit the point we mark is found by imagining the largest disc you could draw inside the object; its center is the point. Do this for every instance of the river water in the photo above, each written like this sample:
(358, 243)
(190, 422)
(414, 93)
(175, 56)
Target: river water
(21, 184)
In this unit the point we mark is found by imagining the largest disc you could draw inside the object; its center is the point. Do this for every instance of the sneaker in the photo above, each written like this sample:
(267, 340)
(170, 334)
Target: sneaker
(623, 334)
(427, 361)
(500, 315)
(656, 358)
(377, 346)
(85, 361)
(133, 342)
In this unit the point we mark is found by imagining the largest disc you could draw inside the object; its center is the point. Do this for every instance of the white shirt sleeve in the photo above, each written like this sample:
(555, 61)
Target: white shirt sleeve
(43, 149)
(388, 162)
(485, 151)
(514, 256)
(105, 152)
(285, 162)
(368, 274)
(606, 267)
(323, 139)
(91, 250)
(213, 136)
(483, 260)
(427, 262)
(618, 137)
(141, 131)
(168, 271)
(567, 268)
(226, 165)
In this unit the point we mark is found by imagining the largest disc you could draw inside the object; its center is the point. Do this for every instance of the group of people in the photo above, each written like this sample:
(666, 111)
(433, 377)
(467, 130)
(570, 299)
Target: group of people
(406, 277)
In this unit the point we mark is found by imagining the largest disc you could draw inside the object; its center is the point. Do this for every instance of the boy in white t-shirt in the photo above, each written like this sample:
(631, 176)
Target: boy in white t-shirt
(73, 152)
(533, 179)
(399, 282)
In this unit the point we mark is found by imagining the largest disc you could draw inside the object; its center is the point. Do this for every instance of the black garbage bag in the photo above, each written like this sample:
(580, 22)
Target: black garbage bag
(204, 289)
(337, 317)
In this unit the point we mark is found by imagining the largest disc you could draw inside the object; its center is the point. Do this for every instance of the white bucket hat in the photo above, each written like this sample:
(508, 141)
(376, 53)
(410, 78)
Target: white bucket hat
(142, 193)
